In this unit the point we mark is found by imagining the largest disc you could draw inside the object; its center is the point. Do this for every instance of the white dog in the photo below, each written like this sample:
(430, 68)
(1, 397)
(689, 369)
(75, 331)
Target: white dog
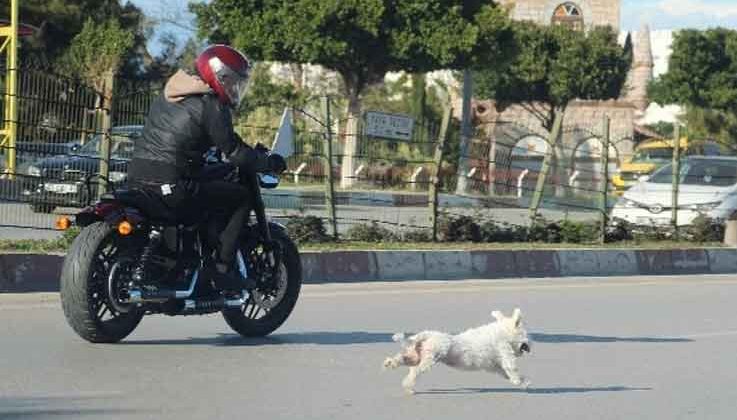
(494, 347)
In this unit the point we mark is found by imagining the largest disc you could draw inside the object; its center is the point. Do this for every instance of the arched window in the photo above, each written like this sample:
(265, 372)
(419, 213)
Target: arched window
(568, 14)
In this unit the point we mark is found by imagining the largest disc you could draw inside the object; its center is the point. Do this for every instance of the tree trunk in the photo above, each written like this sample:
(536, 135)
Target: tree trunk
(463, 160)
(350, 146)
(419, 97)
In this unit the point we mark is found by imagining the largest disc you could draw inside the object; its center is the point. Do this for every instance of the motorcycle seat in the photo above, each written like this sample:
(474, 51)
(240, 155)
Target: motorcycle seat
(148, 203)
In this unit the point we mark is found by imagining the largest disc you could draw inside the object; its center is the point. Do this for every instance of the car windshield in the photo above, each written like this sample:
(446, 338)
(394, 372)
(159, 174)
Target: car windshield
(716, 173)
(121, 147)
(652, 155)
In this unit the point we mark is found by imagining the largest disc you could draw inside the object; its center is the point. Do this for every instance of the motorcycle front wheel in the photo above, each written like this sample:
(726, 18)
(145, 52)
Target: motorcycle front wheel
(267, 308)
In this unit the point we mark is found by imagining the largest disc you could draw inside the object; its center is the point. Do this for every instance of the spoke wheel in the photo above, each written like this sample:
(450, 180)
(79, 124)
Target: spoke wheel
(271, 303)
(87, 305)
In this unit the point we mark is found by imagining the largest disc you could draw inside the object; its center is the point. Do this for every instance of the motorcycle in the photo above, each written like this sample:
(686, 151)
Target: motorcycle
(126, 264)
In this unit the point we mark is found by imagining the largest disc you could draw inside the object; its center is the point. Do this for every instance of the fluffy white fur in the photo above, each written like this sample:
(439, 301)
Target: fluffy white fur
(494, 347)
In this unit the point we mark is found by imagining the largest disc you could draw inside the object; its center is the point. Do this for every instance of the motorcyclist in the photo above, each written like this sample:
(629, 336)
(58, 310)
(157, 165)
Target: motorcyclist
(192, 115)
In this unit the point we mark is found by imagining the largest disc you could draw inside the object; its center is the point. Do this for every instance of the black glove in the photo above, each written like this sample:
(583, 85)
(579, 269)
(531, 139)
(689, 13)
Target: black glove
(277, 164)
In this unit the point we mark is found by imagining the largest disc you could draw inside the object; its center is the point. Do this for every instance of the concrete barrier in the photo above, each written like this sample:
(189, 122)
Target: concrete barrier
(40, 273)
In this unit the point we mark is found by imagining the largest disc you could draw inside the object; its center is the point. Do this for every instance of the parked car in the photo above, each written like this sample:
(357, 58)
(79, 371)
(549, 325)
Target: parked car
(708, 186)
(652, 154)
(61, 179)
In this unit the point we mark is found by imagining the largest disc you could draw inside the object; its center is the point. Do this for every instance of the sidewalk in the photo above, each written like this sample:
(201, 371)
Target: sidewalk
(40, 273)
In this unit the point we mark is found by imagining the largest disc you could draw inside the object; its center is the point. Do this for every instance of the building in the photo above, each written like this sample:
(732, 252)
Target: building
(516, 138)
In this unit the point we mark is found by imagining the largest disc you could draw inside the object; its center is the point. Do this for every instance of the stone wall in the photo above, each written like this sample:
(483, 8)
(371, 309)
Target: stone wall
(595, 12)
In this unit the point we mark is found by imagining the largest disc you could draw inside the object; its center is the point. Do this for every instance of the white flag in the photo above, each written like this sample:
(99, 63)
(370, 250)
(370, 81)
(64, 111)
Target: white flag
(284, 138)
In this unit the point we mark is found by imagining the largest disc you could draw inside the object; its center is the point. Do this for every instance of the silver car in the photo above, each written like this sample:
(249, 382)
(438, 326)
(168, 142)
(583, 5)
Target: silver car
(708, 186)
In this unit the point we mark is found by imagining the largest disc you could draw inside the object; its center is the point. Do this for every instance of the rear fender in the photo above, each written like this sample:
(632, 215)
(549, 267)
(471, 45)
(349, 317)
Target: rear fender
(109, 212)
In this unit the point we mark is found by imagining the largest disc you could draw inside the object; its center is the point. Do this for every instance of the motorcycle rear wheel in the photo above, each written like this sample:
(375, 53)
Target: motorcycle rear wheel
(84, 295)
(275, 307)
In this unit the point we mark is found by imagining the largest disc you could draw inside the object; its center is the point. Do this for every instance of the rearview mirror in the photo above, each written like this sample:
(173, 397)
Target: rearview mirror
(268, 181)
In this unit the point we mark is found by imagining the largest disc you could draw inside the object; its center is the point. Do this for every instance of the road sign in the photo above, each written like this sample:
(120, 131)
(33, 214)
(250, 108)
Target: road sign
(391, 126)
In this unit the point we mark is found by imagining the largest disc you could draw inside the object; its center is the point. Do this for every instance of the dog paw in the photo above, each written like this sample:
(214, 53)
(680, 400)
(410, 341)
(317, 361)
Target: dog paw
(524, 383)
(390, 363)
(409, 391)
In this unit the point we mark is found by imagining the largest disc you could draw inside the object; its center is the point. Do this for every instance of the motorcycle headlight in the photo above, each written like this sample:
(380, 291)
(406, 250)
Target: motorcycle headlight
(34, 171)
(117, 176)
(705, 207)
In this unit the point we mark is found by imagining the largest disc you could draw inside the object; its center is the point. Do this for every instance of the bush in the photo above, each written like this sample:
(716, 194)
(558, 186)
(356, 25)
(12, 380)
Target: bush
(306, 229)
(618, 231)
(579, 232)
(371, 233)
(458, 229)
(541, 230)
(704, 229)
(417, 236)
(495, 232)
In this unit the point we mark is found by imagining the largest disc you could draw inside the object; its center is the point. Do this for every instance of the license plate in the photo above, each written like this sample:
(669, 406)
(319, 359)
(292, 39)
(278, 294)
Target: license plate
(649, 221)
(61, 188)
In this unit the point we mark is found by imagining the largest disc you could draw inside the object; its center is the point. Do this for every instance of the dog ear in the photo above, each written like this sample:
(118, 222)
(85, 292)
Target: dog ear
(498, 315)
(517, 317)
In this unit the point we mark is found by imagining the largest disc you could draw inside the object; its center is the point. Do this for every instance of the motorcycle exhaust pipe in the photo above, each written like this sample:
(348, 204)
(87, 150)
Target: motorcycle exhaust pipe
(139, 296)
(214, 305)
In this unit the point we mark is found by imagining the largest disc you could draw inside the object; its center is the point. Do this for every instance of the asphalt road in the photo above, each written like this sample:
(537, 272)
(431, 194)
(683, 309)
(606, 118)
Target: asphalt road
(615, 348)
(17, 221)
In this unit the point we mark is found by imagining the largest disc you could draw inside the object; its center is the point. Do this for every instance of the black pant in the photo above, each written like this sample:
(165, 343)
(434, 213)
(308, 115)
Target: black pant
(190, 200)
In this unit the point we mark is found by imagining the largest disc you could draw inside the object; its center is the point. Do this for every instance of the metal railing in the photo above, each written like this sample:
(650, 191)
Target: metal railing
(406, 185)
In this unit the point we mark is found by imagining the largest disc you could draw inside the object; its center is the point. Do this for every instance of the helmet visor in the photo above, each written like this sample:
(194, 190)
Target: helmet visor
(234, 84)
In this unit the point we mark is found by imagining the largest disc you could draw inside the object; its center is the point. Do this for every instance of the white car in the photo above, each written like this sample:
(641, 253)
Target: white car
(708, 186)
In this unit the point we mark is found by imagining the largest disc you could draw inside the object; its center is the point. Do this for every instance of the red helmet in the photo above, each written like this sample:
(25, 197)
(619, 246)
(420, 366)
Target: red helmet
(226, 70)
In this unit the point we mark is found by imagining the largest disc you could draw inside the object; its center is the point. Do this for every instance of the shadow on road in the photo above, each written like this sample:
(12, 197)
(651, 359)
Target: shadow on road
(325, 338)
(579, 338)
(56, 407)
(561, 390)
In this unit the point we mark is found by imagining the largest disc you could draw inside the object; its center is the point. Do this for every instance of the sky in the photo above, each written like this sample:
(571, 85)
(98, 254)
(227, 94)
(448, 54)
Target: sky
(659, 14)
(678, 14)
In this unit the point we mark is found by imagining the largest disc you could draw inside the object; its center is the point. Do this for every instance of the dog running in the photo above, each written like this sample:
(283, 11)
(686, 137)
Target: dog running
(494, 347)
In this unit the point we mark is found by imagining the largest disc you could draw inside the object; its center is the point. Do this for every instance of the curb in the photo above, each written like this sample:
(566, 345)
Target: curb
(40, 273)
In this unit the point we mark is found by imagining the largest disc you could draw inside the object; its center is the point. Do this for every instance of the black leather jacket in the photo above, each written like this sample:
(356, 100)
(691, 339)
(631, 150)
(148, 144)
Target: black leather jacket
(177, 134)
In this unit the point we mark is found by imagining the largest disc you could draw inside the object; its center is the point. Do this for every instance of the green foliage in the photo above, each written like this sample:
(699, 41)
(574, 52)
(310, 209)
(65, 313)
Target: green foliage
(458, 229)
(265, 91)
(495, 232)
(579, 232)
(417, 235)
(540, 230)
(701, 70)
(553, 65)
(701, 76)
(307, 229)
(711, 125)
(704, 230)
(361, 39)
(61, 20)
(371, 233)
(97, 50)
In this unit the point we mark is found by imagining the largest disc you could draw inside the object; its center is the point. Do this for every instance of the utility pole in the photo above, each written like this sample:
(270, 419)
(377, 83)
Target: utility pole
(9, 45)
(676, 178)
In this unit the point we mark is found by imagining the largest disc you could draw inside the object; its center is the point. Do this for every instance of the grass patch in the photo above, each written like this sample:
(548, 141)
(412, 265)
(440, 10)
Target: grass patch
(40, 246)
(475, 246)
(43, 246)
